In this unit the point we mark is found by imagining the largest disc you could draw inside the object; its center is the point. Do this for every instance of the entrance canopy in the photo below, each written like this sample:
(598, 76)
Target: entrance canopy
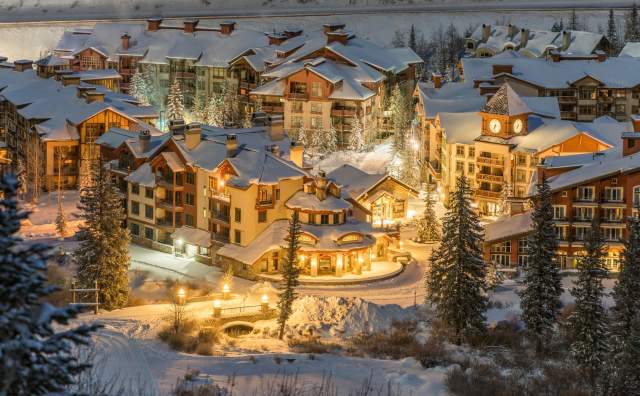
(192, 236)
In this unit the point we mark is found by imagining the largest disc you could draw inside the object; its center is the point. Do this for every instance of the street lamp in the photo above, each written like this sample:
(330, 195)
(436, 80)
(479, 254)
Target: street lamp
(264, 304)
(226, 291)
(217, 308)
(182, 294)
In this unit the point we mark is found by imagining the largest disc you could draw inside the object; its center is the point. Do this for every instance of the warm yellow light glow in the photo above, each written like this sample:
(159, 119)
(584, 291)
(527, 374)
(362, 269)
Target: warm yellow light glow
(181, 293)
(360, 260)
(225, 288)
(179, 241)
(302, 257)
(372, 256)
(221, 184)
(401, 244)
(216, 303)
(264, 299)
(411, 213)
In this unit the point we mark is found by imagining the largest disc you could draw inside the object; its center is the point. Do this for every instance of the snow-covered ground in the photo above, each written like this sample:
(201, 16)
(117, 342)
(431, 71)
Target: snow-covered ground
(379, 27)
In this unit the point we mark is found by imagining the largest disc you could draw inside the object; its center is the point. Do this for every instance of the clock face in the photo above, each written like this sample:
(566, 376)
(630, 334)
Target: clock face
(517, 126)
(495, 126)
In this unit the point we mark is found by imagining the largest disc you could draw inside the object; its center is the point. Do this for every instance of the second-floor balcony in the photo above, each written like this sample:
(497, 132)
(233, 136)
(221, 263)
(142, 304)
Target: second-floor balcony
(342, 111)
(488, 194)
(297, 96)
(166, 221)
(218, 195)
(185, 74)
(490, 161)
(489, 178)
(220, 216)
(264, 202)
(272, 108)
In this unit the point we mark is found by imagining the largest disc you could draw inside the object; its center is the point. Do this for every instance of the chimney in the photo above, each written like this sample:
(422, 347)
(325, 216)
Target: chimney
(275, 127)
(125, 41)
(22, 65)
(332, 27)
(145, 140)
(177, 127)
(321, 186)
(227, 27)
(635, 120)
(486, 32)
(630, 143)
(292, 32)
(59, 74)
(192, 135)
(94, 96)
(232, 145)
(296, 154)
(153, 24)
(566, 39)
(512, 30)
(275, 150)
(83, 89)
(524, 37)
(276, 38)
(499, 69)
(190, 25)
(555, 56)
(70, 79)
(601, 56)
(337, 36)
(437, 80)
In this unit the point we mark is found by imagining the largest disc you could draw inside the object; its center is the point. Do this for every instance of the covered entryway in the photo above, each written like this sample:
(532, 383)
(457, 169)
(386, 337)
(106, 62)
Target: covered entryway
(191, 242)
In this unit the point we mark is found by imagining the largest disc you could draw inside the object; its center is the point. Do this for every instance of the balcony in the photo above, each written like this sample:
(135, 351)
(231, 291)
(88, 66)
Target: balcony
(567, 99)
(488, 194)
(169, 204)
(248, 85)
(272, 109)
(219, 196)
(490, 161)
(568, 115)
(344, 111)
(220, 217)
(224, 238)
(165, 222)
(161, 181)
(182, 74)
(489, 178)
(297, 96)
(265, 203)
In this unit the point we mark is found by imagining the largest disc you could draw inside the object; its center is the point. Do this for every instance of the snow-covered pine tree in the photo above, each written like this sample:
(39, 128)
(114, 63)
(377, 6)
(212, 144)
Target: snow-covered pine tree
(35, 358)
(495, 277)
(455, 281)
(558, 26)
(290, 273)
(401, 116)
(574, 22)
(505, 194)
(103, 253)
(247, 121)
(22, 176)
(302, 137)
(330, 140)
(139, 88)
(623, 363)
(413, 44)
(632, 25)
(215, 110)
(317, 141)
(198, 112)
(612, 34)
(588, 322)
(175, 102)
(61, 222)
(540, 298)
(427, 225)
(398, 39)
(356, 138)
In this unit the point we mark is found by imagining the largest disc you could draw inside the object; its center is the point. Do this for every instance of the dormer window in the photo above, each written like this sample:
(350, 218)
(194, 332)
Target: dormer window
(350, 238)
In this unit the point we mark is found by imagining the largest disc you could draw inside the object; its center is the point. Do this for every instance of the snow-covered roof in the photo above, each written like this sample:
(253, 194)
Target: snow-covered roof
(461, 127)
(508, 227)
(52, 61)
(631, 49)
(618, 72)
(272, 238)
(143, 176)
(97, 74)
(353, 181)
(452, 97)
(506, 102)
(309, 201)
(57, 108)
(193, 236)
(570, 161)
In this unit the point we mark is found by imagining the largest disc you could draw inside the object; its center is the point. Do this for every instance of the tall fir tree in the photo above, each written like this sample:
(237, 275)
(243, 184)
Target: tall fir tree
(290, 273)
(61, 222)
(302, 136)
(103, 254)
(175, 102)
(574, 21)
(356, 138)
(330, 141)
(215, 110)
(37, 344)
(505, 195)
(632, 25)
(401, 115)
(588, 322)
(140, 89)
(612, 34)
(455, 281)
(540, 298)
(427, 225)
(623, 363)
(558, 26)
(413, 43)
(398, 39)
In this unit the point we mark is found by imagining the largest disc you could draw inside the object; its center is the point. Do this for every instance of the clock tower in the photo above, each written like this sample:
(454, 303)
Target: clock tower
(505, 115)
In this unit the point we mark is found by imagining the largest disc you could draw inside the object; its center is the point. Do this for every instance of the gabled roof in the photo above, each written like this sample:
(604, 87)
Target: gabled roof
(508, 227)
(506, 102)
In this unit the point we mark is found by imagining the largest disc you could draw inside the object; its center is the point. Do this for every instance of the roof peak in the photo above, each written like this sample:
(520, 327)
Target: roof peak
(506, 101)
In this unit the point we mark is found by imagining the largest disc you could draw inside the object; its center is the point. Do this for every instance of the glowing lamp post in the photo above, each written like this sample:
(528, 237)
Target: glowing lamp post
(400, 244)
(264, 304)
(182, 296)
(217, 309)
(179, 245)
(226, 291)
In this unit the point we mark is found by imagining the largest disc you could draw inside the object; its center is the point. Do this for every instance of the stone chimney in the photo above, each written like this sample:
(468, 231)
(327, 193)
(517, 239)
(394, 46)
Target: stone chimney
(524, 37)
(332, 27)
(227, 27)
(296, 154)
(630, 143)
(486, 32)
(59, 74)
(337, 36)
(22, 65)
(3, 59)
(566, 39)
(153, 24)
(276, 38)
(232, 145)
(94, 96)
(190, 25)
(292, 32)
(192, 135)
(125, 41)
(70, 79)
(177, 127)
(145, 140)
(512, 30)
(275, 150)
(83, 89)
(601, 56)
(499, 69)
(275, 127)
(321, 186)
(635, 120)
(437, 80)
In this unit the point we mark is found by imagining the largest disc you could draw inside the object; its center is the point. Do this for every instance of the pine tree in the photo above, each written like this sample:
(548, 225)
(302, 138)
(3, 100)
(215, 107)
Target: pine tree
(412, 39)
(428, 226)
(103, 254)
(198, 112)
(588, 322)
(302, 137)
(356, 138)
(317, 142)
(455, 281)
(37, 348)
(61, 222)
(398, 39)
(574, 23)
(23, 181)
(495, 277)
(612, 34)
(330, 143)
(247, 121)
(290, 273)
(624, 359)
(139, 88)
(632, 25)
(540, 298)
(401, 115)
(175, 102)
(558, 26)
(215, 109)
(505, 194)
